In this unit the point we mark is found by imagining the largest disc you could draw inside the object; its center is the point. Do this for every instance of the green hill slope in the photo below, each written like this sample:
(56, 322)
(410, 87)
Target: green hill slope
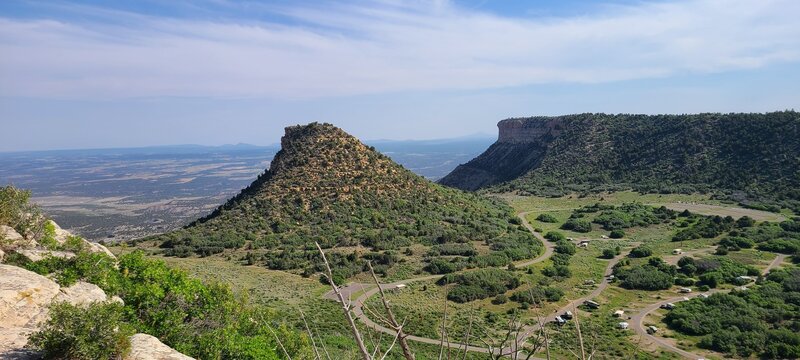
(753, 158)
(326, 186)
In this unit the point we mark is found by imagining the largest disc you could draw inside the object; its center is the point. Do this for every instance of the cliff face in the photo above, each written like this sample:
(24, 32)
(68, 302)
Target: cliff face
(755, 157)
(525, 131)
(520, 146)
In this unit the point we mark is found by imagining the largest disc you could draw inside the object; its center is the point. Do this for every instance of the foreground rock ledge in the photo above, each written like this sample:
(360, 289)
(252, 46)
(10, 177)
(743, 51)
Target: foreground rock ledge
(147, 347)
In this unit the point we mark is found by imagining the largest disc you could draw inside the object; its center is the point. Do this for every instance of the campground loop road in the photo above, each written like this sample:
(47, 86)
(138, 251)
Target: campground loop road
(638, 319)
(357, 304)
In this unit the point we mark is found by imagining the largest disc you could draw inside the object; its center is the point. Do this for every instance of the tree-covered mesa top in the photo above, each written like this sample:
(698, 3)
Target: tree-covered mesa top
(753, 158)
(326, 186)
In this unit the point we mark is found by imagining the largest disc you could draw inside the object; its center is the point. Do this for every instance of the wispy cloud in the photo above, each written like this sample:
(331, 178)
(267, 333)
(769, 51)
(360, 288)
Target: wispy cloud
(385, 46)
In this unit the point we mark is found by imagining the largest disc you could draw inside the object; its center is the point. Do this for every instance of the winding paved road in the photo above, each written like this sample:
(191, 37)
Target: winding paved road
(638, 319)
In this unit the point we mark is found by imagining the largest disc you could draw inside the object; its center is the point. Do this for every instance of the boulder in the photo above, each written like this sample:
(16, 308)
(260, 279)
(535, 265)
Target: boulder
(62, 236)
(81, 293)
(146, 347)
(95, 247)
(36, 255)
(11, 239)
(24, 296)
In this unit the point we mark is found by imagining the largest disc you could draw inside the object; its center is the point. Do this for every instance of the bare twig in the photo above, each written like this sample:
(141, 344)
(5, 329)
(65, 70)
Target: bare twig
(466, 336)
(310, 335)
(345, 306)
(397, 327)
(578, 329)
(279, 341)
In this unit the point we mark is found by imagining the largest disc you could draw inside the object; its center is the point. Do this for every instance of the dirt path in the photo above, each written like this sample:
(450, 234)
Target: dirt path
(638, 319)
(734, 212)
(357, 304)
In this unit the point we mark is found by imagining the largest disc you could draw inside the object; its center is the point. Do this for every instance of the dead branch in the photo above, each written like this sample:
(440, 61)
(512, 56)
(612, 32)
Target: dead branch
(345, 306)
(397, 327)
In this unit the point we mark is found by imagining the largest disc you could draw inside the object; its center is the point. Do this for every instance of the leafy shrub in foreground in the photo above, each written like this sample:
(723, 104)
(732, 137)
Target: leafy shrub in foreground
(96, 331)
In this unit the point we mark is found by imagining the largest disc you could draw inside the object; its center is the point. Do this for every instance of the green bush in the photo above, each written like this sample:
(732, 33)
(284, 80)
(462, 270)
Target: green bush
(554, 236)
(577, 225)
(565, 247)
(96, 331)
(641, 251)
(616, 234)
(547, 218)
(479, 284)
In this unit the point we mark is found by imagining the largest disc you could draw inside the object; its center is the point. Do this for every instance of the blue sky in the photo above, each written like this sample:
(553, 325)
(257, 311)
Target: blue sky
(88, 74)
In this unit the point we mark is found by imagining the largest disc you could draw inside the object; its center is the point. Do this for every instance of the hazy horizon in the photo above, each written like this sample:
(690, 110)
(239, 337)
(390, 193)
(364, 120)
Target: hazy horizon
(87, 74)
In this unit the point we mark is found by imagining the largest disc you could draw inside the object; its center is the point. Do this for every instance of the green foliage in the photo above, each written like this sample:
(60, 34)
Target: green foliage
(17, 212)
(641, 251)
(610, 253)
(547, 218)
(749, 158)
(565, 247)
(655, 275)
(326, 186)
(633, 214)
(554, 236)
(96, 331)
(48, 239)
(577, 225)
(479, 284)
(705, 227)
(197, 319)
(537, 295)
(761, 321)
(715, 271)
(616, 234)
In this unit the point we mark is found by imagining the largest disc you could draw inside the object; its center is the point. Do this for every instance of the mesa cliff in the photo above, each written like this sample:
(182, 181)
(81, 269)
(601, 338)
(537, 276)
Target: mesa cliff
(751, 158)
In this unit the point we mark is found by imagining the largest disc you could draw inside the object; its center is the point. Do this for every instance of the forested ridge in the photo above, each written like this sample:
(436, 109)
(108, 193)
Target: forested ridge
(750, 157)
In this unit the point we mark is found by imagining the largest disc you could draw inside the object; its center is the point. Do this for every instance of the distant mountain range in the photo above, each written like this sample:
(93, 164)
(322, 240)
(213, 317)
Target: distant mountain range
(752, 158)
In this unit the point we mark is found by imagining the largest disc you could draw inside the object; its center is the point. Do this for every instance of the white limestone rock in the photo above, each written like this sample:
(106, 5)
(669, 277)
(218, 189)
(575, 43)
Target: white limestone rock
(146, 347)
(24, 297)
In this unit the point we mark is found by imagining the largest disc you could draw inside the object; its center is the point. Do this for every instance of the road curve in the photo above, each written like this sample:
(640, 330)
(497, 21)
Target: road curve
(638, 319)
(604, 283)
(357, 305)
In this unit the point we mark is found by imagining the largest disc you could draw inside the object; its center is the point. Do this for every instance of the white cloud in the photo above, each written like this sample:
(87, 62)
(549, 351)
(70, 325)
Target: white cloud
(387, 46)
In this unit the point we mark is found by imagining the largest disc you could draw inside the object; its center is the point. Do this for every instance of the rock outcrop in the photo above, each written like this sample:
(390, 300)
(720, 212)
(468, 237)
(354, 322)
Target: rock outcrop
(147, 347)
(24, 300)
(24, 297)
(62, 236)
(11, 239)
(81, 293)
(538, 129)
(39, 254)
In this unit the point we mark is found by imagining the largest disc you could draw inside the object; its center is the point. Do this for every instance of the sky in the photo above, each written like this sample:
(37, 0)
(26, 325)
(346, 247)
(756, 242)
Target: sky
(113, 73)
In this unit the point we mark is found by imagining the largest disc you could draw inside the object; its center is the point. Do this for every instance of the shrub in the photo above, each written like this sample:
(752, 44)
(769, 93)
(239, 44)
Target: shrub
(500, 299)
(565, 247)
(641, 251)
(554, 236)
(608, 254)
(96, 331)
(577, 225)
(617, 234)
(479, 284)
(547, 218)
(644, 277)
